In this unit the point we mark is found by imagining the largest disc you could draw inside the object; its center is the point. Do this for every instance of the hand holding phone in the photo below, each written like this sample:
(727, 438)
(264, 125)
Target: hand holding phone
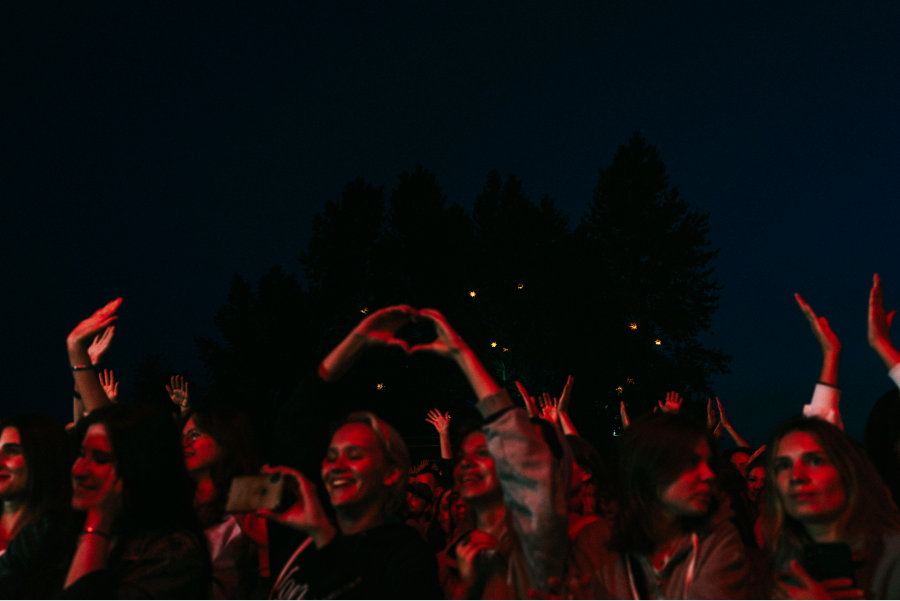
(306, 513)
(252, 493)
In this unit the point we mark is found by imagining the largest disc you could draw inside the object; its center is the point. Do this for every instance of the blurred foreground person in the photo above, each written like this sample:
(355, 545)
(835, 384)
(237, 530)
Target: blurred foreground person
(35, 498)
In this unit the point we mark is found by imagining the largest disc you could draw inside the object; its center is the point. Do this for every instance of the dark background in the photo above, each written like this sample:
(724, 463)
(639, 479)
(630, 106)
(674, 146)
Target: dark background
(151, 151)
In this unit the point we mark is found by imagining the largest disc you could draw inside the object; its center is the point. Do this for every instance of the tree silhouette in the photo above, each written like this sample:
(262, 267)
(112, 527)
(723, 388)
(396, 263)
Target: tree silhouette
(620, 302)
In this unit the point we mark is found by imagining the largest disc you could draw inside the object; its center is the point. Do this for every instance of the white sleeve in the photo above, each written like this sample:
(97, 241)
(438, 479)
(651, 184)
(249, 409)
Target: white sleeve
(824, 405)
(894, 375)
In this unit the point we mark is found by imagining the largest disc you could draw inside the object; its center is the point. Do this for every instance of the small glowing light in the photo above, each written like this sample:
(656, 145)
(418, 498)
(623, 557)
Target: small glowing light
(364, 310)
(633, 325)
(379, 386)
(493, 345)
(472, 293)
(658, 342)
(630, 380)
(619, 389)
(521, 286)
(506, 349)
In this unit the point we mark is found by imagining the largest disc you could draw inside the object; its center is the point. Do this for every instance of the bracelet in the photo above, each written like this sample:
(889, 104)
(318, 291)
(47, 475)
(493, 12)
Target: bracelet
(91, 530)
(835, 386)
(82, 367)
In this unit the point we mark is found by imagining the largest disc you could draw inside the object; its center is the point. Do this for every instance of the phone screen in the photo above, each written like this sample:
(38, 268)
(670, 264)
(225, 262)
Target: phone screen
(828, 560)
(251, 493)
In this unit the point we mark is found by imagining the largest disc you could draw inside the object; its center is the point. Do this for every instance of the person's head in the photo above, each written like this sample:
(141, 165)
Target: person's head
(135, 449)
(366, 465)
(667, 468)
(589, 475)
(418, 500)
(738, 457)
(474, 473)
(445, 501)
(756, 478)
(817, 477)
(34, 464)
(430, 477)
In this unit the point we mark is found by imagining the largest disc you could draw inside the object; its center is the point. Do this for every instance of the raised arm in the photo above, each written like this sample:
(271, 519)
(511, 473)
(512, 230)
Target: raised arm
(441, 423)
(532, 487)
(179, 392)
(827, 394)
(86, 381)
(563, 408)
(879, 330)
(723, 421)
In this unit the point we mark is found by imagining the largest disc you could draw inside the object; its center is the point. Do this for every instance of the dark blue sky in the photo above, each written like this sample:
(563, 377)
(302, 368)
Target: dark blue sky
(152, 152)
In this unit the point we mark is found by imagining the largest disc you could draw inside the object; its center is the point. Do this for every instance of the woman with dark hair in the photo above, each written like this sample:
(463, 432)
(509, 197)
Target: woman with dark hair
(673, 538)
(35, 494)
(820, 488)
(218, 446)
(141, 537)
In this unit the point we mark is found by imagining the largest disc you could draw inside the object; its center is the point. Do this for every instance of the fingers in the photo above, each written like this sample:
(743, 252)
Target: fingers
(890, 318)
(806, 581)
(807, 310)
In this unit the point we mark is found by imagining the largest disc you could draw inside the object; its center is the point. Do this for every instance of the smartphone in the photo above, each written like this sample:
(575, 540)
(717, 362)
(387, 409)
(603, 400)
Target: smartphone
(828, 560)
(249, 493)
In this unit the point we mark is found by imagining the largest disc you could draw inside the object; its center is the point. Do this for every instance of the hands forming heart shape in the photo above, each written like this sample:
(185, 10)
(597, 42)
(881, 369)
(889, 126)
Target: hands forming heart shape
(380, 329)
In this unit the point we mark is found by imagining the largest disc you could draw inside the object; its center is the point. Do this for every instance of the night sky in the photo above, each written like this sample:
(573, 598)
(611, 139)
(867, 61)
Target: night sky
(152, 152)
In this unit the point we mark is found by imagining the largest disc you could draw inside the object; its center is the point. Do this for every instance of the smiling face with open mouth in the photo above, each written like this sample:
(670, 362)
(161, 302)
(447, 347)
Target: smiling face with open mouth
(475, 473)
(13, 470)
(354, 469)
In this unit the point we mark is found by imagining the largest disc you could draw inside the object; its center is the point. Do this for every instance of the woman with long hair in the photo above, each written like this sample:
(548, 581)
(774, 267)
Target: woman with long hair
(141, 537)
(672, 538)
(820, 488)
(35, 494)
(218, 446)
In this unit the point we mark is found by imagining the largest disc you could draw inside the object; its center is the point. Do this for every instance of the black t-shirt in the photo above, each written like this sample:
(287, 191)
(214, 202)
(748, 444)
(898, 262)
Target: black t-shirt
(387, 562)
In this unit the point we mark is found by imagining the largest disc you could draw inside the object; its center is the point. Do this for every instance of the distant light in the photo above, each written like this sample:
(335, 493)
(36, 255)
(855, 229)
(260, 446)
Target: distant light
(619, 389)
(630, 380)
(379, 386)
(633, 325)
(521, 286)
(658, 342)
(506, 349)
(472, 293)
(364, 310)
(493, 345)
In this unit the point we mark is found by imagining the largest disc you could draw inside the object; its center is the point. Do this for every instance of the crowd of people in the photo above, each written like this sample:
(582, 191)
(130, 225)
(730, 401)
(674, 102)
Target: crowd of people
(132, 501)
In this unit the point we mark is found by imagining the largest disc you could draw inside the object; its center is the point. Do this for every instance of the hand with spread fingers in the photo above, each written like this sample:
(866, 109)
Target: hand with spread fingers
(179, 393)
(549, 410)
(109, 384)
(441, 423)
(672, 404)
(879, 326)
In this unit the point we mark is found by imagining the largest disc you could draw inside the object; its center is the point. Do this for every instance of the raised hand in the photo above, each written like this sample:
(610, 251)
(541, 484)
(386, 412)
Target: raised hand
(109, 384)
(711, 413)
(306, 515)
(566, 396)
(379, 328)
(100, 345)
(179, 393)
(531, 407)
(672, 404)
(549, 410)
(879, 328)
(441, 422)
(820, 328)
(447, 343)
(717, 431)
(92, 325)
(624, 414)
(828, 341)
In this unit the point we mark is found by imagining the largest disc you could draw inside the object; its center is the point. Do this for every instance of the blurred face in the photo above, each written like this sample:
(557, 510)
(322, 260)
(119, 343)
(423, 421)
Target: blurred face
(201, 452)
(756, 479)
(415, 505)
(740, 461)
(13, 471)
(354, 469)
(94, 471)
(428, 479)
(461, 512)
(474, 472)
(691, 493)
(443, 513)
(808, 484)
